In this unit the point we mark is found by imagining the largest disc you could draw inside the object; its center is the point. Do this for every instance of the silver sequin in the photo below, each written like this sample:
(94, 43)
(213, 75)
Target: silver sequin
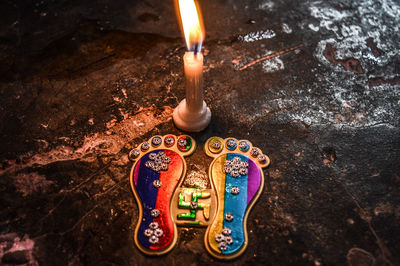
(226, 231)
(231, 143)
(158, 232)
(164, 167)
(158, 161)
(243, 171)
(169, 141)
(261, 158)
(135, 153)
(153, 225)
(152, 156)
(148, 232)
(193, 205)
(244, 146)
(155, 213)
(222, 246)
(145, 146)
(235, 190)
(149, 164)
(157, 168)
(236, 167)
(244, 164)
(219, 238)
(228, 216)
(224, 239)
(235, 173)
(156, 141)
(153, 239)
(182, 142)
(216, 145)
(228, 169)
(236, 160)
(157, 183)
(254, 152)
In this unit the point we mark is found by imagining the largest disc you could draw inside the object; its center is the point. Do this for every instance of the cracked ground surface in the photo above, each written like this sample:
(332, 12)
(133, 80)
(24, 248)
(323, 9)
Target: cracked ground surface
(83, 82)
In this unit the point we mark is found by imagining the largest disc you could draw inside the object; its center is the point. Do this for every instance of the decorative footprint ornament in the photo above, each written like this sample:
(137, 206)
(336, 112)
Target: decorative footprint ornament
(238, 180)
(158, 169)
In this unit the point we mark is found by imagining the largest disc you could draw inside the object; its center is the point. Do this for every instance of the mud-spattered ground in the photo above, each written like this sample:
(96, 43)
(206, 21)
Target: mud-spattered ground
(83, 82)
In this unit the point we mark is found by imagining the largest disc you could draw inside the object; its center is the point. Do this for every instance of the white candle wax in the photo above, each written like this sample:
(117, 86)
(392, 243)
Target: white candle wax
(192, 113)
(193, 64)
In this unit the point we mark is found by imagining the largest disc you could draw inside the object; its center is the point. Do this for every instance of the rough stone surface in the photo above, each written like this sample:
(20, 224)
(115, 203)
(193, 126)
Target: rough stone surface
(16, 257)
(83, 82)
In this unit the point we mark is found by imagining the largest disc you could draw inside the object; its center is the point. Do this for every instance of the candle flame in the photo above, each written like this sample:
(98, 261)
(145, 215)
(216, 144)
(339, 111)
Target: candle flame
(192, 25)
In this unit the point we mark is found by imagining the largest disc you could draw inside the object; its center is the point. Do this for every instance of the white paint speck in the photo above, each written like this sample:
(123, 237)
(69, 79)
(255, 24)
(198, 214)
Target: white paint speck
(257, 36)
(267, 6)
(340, 98)
(286, 29)
(312, 27)
(273, 64)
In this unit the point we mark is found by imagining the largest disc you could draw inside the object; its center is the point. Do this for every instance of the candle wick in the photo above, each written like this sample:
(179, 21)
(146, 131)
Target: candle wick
(197, 48)
(194, 48)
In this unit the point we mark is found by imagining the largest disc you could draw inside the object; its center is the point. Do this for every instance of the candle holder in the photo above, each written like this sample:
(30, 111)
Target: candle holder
(191, 120)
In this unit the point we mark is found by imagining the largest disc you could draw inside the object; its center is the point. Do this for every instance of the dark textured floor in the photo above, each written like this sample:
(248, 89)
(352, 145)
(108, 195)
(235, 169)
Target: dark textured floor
(82, 82)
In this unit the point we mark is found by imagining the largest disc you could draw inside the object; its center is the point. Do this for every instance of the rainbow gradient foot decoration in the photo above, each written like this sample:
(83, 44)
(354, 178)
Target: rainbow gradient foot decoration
(238, 180)
(158, 169)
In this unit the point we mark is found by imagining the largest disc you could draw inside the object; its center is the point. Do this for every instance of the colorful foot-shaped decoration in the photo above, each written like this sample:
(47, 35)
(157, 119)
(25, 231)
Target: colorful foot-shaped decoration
(238, 180)
(159, 167)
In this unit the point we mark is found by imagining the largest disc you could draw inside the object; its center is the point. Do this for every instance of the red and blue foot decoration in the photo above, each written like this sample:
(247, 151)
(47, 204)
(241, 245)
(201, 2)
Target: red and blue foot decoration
(158, 170)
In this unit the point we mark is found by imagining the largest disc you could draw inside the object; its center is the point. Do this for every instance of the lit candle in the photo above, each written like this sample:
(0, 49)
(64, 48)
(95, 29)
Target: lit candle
(192, 114)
